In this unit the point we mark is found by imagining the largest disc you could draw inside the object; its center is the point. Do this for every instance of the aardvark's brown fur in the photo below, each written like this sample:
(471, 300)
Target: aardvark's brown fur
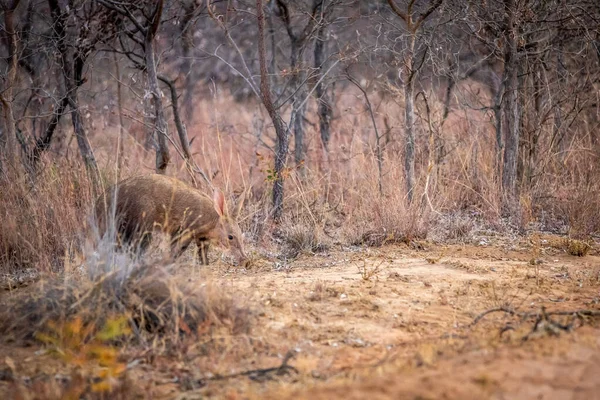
(157, 202)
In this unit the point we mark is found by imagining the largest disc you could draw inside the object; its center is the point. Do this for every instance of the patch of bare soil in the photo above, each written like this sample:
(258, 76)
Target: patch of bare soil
(392, 323)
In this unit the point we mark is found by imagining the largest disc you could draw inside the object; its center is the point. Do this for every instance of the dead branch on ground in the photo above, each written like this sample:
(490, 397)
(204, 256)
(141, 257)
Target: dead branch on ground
(543, 323)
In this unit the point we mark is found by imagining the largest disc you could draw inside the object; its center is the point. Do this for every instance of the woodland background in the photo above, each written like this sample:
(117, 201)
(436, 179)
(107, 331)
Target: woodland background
(346, 121)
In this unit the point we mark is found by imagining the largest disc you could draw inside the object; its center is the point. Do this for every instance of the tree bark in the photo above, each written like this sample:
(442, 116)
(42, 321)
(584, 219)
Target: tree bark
(149, 119)
(298, 103)
(281, 133)
(72, 73)
(8, 139)
(511, 104)
(409, 118)
(559, 131)
(413, 26)
(120, 141)
(160, 123)
(324, 108)
(186, 65)
(43, 142)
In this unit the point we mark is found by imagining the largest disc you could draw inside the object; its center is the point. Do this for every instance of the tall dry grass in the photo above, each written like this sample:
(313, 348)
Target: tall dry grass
(331, 198)
(42, 217)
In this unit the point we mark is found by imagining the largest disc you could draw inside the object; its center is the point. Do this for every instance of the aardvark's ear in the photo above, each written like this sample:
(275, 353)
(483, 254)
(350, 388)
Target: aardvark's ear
(219, 202)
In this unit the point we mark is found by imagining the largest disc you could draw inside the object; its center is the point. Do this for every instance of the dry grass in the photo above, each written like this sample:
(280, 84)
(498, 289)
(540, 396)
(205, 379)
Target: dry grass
(42, 220)
(577, 247)
(386, 220)
(160, 307)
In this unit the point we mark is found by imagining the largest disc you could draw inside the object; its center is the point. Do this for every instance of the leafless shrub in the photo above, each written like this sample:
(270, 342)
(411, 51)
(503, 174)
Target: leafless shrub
(453, 227)
(577, 248)
(367, 273)
(386, 221)
(41, 219)
(301, 236)
(322, 290)
(159, 305)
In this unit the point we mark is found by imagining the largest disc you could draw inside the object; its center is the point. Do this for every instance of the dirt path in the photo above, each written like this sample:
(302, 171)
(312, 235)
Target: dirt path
(396, 323)
(410, 319)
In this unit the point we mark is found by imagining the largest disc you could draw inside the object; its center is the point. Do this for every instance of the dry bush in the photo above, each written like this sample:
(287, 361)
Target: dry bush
(386, 220)
(301, 236)
(577, 247)
(159, 305)
(580, 208)
(456, 227)
(41, 219)
(322, 290)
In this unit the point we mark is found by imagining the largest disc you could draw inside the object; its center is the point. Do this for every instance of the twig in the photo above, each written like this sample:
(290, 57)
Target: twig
(255, 374)
(542, 319)
(493, 310)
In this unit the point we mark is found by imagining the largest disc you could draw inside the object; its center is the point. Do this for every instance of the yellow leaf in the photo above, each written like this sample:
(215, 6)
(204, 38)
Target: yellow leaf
(114, 328)
(45, 338)
(119, 369)
(102, 386)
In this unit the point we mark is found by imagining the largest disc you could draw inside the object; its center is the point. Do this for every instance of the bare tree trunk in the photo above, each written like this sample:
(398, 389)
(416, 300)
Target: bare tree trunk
(43, 142)
(273, 43)
(72, 72)
(511, 105)
(149, 119)
(559, 131)
(413, 21)
(8, 138)
(186, 66)
(182, 133)
(378, 150)
(409, 118)
(299, 125)
(450, 76)
(280, 131)
(324, 103)
(120, 149)
(160, 123)
(499, 126)
(298, 103)
(533, 129)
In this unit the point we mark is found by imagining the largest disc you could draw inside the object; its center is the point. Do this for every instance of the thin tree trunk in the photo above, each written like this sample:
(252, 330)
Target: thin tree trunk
(413, 25)
(272, 64)
(280, 131)
(149, 119)
(160, 123)
(8, 139)
(559, 131)
(378, 150)
(511, 105)
(186, 66)
(324, 108)
(499, 126)
(533, 128)
(43, 142)
(120, 148)
(72, 72)
(409, 115)
(298, 103)
(182, 132)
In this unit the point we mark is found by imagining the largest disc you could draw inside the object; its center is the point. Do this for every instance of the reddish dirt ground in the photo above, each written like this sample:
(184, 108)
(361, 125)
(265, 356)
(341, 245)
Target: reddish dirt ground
(393, 323)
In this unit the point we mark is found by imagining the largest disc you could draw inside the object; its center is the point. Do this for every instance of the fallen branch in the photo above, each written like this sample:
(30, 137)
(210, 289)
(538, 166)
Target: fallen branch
(260, 374)
(543, 322)
(493, 310)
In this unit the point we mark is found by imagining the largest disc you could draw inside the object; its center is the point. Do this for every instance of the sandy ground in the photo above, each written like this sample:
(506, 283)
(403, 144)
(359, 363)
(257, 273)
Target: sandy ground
(392, 322)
